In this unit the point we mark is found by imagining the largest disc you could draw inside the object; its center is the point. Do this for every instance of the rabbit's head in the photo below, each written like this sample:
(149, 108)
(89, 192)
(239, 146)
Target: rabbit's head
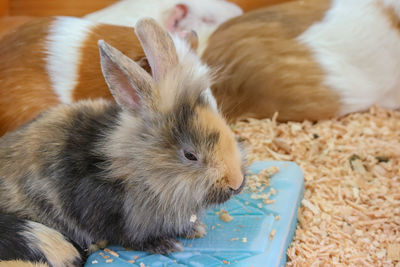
(171, 142)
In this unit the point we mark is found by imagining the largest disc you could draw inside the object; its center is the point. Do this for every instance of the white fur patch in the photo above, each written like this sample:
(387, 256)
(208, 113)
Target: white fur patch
(188, 57)
(128, 12)
(199, 70)
(210, 99)
(64, 41)
(359, 50)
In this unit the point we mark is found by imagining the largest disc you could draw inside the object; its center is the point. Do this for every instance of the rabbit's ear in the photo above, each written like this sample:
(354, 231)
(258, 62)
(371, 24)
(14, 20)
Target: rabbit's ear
(130, 85)
(158, 47)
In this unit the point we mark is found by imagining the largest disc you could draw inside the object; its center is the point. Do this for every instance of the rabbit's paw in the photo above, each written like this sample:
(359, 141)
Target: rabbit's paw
(198, 231)
(163, 246)
(97, 246)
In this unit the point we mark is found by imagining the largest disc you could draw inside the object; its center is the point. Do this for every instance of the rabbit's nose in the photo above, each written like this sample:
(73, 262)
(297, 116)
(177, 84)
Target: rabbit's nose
(236, 181)
(238, 190)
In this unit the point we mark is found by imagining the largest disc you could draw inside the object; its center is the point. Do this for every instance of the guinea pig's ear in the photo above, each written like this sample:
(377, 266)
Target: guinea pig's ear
(175, 16)
(130, 85)
(158, 46)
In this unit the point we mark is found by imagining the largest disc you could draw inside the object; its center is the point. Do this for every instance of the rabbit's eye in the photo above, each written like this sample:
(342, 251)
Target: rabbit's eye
(189, 155)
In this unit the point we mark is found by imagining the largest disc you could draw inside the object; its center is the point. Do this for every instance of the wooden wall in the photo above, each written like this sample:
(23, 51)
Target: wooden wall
(3, 7)
(56, 7)
(248, 5)
(82, 7)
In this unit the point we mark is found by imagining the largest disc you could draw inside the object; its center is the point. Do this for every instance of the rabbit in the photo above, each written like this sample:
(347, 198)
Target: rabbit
(308, 60)
(134, 171)
(202, 17)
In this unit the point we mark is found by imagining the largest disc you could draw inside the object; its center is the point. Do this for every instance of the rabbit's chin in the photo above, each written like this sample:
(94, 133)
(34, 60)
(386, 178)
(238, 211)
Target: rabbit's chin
(218, 196)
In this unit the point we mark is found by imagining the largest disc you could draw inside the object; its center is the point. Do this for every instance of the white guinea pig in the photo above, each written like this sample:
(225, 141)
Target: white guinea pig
(311, 59)
(175, 15)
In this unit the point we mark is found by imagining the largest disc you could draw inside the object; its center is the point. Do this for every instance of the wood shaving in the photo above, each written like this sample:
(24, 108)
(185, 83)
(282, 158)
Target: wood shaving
(351, 209)
(244, 239)
(109, 260)
(95, 262)
(257, 184)
(224, 216)
(393, 252)
(269, 201)
(193, 218)
(115, 254)
(272, 234)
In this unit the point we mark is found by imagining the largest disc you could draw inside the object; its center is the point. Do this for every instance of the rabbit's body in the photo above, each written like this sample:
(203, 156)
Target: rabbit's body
(55, 60)
(308, 59)
(34, 245)
(132, 173)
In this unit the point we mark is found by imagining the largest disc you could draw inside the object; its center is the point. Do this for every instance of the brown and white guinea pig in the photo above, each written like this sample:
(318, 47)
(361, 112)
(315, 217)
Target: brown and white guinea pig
(135, 172)
(311, 59)
(50, 61)
(203, 16)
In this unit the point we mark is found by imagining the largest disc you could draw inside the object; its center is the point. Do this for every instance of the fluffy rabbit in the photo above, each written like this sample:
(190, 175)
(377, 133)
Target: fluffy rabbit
(132, 172)
(311, 59)
(176, 15)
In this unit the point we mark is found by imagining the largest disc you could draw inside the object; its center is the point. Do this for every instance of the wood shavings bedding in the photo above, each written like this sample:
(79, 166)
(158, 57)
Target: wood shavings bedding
(350, 215)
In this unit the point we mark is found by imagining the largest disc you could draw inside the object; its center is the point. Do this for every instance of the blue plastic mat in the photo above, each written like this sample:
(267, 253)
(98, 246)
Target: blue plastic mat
(256, 236)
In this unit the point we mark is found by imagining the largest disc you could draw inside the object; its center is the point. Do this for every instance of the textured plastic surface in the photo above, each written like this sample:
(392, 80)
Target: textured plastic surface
(244, 241)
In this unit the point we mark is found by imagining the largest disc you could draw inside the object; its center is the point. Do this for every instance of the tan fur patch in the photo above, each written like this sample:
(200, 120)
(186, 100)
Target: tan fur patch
(390, 14)
(91, 83)
(57, 250)
(18, 263)
(263, 69)
(226, 151)
(25, 89)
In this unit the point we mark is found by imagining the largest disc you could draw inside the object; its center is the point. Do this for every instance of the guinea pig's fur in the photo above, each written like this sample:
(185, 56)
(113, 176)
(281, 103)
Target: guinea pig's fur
(132, 172)
(311, 59)
(176, 15)
(56, 60)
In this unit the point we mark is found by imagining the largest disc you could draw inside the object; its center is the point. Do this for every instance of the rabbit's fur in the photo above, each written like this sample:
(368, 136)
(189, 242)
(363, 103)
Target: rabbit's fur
(132, 173)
